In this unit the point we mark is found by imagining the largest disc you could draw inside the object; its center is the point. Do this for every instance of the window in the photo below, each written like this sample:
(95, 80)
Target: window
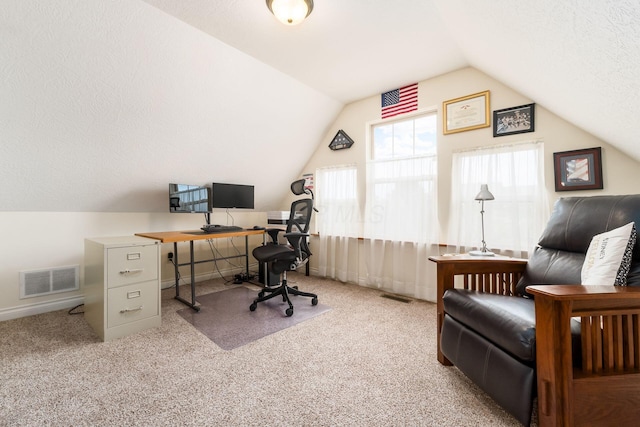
(515, 218)
(337, 201)
(402, 139)
(401, 180)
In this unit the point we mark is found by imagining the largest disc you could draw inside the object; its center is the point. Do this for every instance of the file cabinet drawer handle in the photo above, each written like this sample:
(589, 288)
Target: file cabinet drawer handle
(129, 310)
(127, 271)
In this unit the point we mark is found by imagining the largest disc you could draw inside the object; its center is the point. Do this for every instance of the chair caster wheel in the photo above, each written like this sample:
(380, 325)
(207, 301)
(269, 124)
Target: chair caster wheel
(260, 294)
(289, 312)
(295, 287)
(314, 301)
(253, 306)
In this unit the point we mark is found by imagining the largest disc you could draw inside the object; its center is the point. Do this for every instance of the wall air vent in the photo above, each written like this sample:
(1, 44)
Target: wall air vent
(396, 298)
(34, 283)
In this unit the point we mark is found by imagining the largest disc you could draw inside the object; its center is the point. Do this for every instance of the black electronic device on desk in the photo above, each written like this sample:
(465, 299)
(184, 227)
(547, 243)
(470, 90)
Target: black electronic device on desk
(217, 228)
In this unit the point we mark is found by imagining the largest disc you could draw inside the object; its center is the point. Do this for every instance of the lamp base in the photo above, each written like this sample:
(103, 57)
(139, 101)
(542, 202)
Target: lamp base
(481, 253)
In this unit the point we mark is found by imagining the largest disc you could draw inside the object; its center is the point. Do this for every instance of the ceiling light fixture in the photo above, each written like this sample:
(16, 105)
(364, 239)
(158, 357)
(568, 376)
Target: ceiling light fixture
(290, 12)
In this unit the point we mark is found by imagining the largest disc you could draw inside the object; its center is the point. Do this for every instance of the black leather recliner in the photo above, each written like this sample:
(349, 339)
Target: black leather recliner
(491, 338)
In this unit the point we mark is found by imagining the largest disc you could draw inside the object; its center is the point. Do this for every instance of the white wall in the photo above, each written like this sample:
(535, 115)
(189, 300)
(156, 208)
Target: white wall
(620, 172)
(42, 240)
(104, 103)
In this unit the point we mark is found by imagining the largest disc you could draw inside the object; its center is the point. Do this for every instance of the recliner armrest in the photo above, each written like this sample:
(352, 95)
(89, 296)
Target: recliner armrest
(589, 394)
(489, 274)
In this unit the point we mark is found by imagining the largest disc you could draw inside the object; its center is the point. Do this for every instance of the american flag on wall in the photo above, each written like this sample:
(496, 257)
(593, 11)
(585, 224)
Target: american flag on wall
(400, 101)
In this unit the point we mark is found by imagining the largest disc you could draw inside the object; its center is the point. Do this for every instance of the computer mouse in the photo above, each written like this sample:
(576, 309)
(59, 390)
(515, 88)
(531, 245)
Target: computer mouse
(257, 227)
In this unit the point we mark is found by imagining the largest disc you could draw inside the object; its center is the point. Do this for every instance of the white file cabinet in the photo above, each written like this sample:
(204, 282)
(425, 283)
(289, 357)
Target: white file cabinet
(122, 285)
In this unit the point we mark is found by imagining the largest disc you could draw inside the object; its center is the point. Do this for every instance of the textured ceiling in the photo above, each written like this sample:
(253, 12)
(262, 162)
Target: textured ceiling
(577, 58)
(102, 103)
(347, 49)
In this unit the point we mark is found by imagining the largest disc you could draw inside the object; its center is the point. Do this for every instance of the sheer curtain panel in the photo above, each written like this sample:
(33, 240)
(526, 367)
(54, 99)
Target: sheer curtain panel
(513, 221)
(401, 225)
(338, 222)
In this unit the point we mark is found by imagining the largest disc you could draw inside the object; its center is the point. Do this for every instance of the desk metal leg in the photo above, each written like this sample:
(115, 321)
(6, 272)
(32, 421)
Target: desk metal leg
(176, 268)
(246, 254)
(265, 275)
(192, 263)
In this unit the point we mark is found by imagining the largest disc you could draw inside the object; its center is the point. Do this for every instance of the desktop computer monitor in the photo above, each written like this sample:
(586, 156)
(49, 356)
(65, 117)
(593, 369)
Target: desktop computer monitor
(186, 198)
(228, 196)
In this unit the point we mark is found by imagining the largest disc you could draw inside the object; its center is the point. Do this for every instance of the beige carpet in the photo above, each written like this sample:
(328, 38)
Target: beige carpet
(225, 318)
(370, 361)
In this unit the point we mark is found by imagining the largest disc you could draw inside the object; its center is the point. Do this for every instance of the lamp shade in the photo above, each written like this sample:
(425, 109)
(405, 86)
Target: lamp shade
(290, 12)
(484, 193)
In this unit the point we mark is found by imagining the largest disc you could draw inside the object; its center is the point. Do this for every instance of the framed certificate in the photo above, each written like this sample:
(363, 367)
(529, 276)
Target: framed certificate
(466, 113)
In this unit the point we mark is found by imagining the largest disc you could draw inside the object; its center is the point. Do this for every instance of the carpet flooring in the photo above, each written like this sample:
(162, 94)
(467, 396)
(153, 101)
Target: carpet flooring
(369, 361)
(225, 318)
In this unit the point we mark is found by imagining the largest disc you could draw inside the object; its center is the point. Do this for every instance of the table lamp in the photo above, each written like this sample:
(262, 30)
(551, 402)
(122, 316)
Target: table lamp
(483, 195)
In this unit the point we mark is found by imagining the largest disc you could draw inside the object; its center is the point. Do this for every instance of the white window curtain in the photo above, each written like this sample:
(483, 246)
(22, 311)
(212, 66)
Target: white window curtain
(514, 220)
(401, 225)
(338, 222)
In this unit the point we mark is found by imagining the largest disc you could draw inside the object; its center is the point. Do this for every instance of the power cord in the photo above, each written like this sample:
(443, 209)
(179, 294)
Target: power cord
(74, 308)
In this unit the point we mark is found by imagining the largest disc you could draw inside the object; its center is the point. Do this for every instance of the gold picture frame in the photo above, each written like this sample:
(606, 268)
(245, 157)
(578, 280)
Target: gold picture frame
(466, 113)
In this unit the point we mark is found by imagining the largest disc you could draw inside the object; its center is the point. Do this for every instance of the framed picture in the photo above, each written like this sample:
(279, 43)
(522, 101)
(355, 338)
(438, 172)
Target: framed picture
(509, 121)
(578, 169)
(466, 113)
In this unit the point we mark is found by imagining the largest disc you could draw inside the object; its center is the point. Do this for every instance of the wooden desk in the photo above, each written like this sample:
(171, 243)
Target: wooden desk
(190, 236)
(496, 274)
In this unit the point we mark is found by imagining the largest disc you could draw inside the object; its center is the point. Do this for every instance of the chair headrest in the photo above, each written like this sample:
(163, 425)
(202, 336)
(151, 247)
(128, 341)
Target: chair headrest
(297, 187)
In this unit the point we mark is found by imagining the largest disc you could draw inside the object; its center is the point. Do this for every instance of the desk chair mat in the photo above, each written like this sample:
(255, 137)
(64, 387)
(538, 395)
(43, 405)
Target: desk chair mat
(225, 318)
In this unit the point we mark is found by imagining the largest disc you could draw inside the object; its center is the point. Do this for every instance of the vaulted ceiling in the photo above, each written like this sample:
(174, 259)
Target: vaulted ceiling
(577, 58)
(105, 102)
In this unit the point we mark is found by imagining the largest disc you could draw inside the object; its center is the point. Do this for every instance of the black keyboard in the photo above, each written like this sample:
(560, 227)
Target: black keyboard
(215, 228)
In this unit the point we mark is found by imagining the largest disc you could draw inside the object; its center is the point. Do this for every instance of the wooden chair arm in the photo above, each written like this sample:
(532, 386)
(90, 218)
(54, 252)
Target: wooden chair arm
(610, 347)
(488, 274)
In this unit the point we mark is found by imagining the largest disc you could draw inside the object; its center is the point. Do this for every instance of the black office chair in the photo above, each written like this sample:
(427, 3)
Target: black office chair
(283, 258)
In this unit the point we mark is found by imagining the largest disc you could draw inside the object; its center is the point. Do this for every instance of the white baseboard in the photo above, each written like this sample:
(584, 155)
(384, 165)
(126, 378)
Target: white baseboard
(39, 308)
(70, 302)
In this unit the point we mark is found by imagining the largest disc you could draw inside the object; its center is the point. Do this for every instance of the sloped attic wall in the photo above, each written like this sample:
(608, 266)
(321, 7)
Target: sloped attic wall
(620, 172)
(103, 103)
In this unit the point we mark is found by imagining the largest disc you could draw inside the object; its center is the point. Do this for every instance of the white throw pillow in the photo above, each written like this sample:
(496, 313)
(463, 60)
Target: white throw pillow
(608, 258)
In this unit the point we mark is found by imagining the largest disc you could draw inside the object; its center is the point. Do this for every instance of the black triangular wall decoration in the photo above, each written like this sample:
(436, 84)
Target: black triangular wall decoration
(340, 141)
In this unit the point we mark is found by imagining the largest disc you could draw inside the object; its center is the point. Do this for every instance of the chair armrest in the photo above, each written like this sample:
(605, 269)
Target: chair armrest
(610, 364)
(297, 243)
(273, 233)
(295, 234)
(584, 293)
(488, 274)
